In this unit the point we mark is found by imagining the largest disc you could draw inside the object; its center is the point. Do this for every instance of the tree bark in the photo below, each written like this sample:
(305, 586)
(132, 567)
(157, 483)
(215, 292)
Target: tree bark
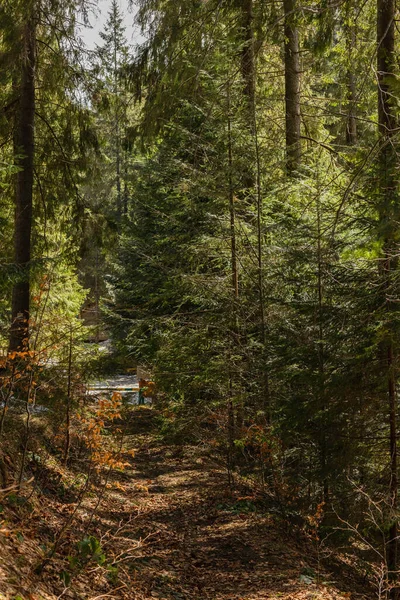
(117, 132)
(385, 66)
(292, 89)
(247, 67)
(351, 121)
(252, 178)
(389, 214)
(351, 125)
(321, 358)
(69, 402)
(25, 148)
(235, 295)
(232, 216)
(248, 58)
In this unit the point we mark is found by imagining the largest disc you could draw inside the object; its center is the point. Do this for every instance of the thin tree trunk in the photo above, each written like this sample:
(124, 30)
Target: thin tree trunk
(351, 122)
(97, 296)
(29, 406)
(125, 198)
(393, 532)
(69, 401)
(232, 216)
(253, 179)
(25, 147)
(351, 125)
(231, 435)
(321, 357)
(118, 171)
(265, 380)
(6, 397)
(235, 292)
(389, 211)
(292, 89)
(248, 58)
(117, 132)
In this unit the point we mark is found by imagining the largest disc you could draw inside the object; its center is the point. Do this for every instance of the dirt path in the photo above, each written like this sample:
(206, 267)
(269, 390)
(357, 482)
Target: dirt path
(175, 532)
(169, 528)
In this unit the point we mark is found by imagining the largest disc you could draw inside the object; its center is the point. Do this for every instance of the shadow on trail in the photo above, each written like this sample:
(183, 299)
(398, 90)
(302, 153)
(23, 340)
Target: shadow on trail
(192, 541)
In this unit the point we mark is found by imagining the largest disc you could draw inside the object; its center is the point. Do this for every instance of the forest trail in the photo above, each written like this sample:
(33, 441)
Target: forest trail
(171, 530)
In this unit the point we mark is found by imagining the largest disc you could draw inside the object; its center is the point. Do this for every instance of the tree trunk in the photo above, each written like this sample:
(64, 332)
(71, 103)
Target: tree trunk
(385, 66)
(25, 147)
(351, 121)
(235, 295)
(266, 401)
(117, 129)
(118, 170)
(232, 216)
(69, 402)
(351, 125)
(292, 89)
(321, 359)
(248, 58)
(252, 179)
(389, 214)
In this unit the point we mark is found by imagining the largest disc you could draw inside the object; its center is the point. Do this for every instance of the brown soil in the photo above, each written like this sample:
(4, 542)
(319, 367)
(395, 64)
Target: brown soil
(169, 528)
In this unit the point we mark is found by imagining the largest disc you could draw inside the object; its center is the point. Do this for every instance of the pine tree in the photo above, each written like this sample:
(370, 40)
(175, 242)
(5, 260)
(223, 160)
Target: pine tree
(25, 148)
(292, 88)
(112, 98)
(388, 216)
(47, 134)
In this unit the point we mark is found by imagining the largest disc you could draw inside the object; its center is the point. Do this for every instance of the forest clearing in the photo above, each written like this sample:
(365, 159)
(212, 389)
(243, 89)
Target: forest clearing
(199, 299)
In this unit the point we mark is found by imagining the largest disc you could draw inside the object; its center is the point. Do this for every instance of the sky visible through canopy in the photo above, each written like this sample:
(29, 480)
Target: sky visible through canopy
(98, 18)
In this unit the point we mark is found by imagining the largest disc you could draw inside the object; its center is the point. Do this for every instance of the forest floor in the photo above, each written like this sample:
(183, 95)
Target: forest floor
(169, 529)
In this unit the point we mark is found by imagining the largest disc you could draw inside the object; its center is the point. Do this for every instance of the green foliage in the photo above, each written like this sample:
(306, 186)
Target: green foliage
(65, 578)
(243, 506)
(88, 549)
(308, 248)
(264, 302)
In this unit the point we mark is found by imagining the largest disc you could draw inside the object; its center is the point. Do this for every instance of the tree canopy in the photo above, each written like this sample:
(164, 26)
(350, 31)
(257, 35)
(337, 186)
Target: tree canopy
(221, 203)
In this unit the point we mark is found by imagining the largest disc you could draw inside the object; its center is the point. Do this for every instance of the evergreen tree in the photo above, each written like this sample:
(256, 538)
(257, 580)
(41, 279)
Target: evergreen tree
(47, 133)
(112, 98)
(24, 149)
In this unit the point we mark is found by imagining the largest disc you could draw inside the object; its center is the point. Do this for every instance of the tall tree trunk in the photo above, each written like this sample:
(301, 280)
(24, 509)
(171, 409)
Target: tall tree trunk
(69, 401)
(125, 176)
(321, 357)
(252, 177)
(265, 376)
(117, 130)
(235, 294)
(118, 170)
(351, 125)
(25, 147)
(389, 214)
(351, 121)
(292, 89)
(232, 216)
(248, 58)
